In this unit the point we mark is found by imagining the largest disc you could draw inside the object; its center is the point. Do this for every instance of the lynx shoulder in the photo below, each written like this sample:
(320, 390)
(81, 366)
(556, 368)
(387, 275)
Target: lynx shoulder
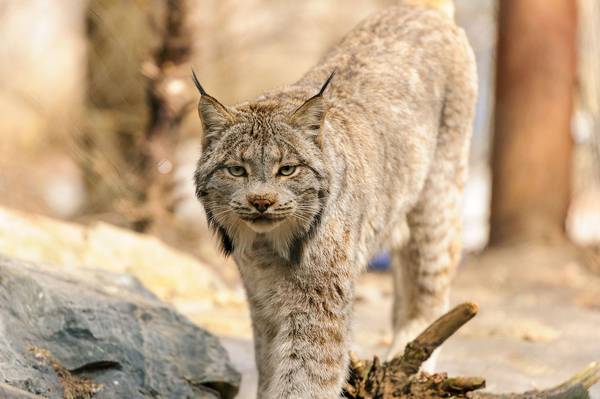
(367, 151)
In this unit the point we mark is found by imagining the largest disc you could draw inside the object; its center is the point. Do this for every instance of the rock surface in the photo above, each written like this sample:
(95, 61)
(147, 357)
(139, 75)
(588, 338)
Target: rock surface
(194, 288)
(85, 333)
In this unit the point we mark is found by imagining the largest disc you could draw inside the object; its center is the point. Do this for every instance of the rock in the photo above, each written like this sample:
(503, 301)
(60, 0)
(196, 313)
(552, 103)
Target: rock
(194, 288)
(84, 334)
(6, 391)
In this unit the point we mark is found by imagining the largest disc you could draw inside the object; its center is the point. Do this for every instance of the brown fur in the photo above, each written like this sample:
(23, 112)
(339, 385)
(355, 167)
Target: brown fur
(379, 160)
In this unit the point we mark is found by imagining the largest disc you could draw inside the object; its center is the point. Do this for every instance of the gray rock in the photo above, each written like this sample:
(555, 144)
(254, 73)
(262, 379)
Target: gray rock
(6, 391)
(106, 328)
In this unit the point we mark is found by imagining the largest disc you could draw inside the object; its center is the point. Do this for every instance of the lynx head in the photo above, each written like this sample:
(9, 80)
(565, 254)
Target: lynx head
(261, 173)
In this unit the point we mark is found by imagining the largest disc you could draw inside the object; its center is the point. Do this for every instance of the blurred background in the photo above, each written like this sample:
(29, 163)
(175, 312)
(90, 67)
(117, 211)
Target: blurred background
(99, 137)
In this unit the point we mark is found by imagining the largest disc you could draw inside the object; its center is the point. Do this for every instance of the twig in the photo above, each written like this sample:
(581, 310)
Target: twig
(575, 387)
(420, 349)
(399, 378)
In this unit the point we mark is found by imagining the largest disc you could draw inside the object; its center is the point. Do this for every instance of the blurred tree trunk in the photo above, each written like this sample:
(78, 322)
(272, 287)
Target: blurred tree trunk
(589, 71)
(531, 160)
(138, 90)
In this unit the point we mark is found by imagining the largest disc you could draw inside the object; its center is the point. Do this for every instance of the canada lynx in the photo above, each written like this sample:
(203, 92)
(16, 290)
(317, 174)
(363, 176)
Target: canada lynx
(307, 182)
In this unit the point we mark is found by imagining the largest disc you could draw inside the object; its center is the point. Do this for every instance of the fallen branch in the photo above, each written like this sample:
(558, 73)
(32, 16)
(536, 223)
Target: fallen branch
(574, 388)
(399, 377)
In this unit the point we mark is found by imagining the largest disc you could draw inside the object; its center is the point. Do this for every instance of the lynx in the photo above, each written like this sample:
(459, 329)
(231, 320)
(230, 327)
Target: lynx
(368, 151)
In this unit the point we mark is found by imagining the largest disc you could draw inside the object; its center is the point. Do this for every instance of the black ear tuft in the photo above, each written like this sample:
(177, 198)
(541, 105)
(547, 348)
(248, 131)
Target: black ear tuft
(325, 84)
(197, 83)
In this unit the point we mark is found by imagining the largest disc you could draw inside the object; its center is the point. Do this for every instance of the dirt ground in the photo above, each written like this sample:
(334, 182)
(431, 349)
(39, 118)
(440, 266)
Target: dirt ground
(539, 320)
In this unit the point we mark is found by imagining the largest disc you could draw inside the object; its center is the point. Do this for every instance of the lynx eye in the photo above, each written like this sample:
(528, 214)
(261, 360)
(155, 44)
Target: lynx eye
(287, 170)
(237, 171)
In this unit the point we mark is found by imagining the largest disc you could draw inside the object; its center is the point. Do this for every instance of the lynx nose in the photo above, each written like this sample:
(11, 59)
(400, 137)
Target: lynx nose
(261, 204)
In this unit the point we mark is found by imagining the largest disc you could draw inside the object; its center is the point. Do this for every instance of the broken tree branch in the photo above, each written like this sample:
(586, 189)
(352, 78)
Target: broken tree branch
(575, 387)
(399, 378)
(419, 350)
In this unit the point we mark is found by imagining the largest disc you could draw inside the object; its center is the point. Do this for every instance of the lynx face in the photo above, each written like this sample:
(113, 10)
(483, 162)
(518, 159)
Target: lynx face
(261, 174)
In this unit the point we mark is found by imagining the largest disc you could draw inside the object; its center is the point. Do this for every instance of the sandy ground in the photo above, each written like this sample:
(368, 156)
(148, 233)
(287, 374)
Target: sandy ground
(539, 320)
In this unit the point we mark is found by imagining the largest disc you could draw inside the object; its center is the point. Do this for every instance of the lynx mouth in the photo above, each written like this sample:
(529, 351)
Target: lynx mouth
(263, 223)
(263, 219)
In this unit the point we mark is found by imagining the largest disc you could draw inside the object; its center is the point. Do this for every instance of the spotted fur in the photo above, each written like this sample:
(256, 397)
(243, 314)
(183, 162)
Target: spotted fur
(380, 157)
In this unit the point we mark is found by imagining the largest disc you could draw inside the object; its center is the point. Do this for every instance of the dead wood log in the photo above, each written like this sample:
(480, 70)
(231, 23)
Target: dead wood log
(400, 377)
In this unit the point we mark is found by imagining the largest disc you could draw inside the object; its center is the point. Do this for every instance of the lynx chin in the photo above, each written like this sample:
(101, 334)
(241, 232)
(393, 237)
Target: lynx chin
(368, 151)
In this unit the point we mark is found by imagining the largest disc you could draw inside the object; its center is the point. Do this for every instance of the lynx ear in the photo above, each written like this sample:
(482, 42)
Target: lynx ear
(215, 117)
(310, 115)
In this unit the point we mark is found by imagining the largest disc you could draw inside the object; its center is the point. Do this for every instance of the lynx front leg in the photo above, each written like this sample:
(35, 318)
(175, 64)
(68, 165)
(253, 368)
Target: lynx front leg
(309, 351)
(263, 337)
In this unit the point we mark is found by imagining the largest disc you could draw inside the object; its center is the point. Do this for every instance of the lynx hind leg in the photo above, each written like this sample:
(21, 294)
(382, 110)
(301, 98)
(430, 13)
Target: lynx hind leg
(424, 266)
(423, 269)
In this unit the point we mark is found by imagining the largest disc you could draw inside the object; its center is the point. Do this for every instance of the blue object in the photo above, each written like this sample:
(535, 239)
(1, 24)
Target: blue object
(381, 261)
